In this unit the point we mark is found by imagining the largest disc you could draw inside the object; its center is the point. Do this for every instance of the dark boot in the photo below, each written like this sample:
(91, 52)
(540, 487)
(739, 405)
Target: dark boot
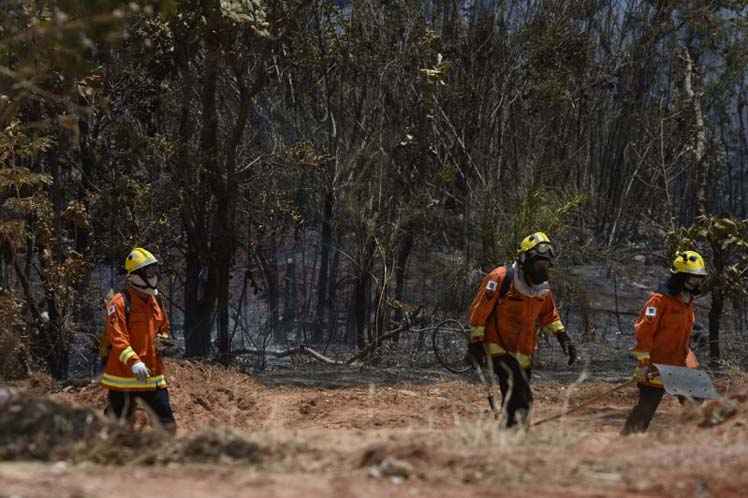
(640, 417)
(516, 394)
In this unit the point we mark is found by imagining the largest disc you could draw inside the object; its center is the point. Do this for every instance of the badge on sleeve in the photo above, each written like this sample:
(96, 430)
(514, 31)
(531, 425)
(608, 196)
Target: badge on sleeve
(490, 288)
(650, 312)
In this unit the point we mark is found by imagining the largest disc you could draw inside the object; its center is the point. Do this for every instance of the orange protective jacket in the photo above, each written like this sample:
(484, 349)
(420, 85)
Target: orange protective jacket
(663, 333)
(509, 325)
(133, 339)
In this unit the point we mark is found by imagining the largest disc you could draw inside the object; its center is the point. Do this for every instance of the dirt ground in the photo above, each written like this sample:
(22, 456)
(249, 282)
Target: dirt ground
(381, 438)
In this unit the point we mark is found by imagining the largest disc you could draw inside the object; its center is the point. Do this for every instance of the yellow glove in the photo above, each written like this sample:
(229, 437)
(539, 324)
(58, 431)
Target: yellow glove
(477, 332)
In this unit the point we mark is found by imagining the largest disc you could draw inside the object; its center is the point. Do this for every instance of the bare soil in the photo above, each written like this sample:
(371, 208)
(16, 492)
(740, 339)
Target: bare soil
(275, 436)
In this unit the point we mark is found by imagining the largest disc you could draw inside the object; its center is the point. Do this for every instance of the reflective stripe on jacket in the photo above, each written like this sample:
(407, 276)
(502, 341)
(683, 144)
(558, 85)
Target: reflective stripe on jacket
(663, 332)
(510, 324)
(134, 340)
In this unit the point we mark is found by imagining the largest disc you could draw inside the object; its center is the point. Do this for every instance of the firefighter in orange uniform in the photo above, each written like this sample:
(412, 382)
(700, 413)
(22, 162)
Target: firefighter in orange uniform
(135, 324)
(663, 333)
(513, 302)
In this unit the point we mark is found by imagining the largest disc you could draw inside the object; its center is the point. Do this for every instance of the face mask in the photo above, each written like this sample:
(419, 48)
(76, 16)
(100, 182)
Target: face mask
(693, 285)
(145, 280)
(150, 274)
(537, 271)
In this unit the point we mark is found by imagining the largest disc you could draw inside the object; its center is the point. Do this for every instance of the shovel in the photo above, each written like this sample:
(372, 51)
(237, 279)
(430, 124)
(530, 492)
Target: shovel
(688, 382)
(489, 384)
(489, 387)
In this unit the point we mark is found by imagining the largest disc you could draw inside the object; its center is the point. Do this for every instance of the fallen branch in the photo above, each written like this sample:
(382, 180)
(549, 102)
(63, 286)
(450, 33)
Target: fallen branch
(299, 350)
(374, 345)
(584, 403)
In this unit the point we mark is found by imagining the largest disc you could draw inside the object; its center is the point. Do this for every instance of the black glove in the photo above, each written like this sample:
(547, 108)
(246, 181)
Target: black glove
(477, 351)
(645, 373)
(567, 346)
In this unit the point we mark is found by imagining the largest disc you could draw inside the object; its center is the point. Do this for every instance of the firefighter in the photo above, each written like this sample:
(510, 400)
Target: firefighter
(512, 303)
(136, 323)
(663, 333)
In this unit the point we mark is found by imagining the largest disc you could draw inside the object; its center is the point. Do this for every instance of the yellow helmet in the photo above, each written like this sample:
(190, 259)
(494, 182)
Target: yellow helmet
(537, 242)
(139, 258)
(689, 262)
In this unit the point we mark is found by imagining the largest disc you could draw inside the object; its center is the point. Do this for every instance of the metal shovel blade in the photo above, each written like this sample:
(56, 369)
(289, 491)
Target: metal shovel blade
(689, 382)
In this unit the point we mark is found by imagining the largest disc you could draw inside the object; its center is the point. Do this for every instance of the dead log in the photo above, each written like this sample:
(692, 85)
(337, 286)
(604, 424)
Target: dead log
(306, 350)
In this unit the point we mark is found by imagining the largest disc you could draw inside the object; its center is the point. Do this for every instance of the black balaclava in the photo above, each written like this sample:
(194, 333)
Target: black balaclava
(676, 283)
(535, 275)
(694, 291)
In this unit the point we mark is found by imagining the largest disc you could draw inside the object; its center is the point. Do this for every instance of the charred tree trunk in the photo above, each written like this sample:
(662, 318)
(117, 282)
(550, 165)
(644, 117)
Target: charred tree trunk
(742, 152)
(85, 309)
(196, 313)
(718, 303)
(332, 320)
(403, 253)
(226, 190)
(53, 341)
(323, 282)
(222, 244)
(185, 168)
(289, 304)
(269, 269)
(700, 166)
(361, 301)
(715, 316)
(200, 314)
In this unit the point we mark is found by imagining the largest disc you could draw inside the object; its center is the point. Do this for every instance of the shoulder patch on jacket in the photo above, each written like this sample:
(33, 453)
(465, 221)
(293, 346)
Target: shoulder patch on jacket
(491, 287)
(650, 312)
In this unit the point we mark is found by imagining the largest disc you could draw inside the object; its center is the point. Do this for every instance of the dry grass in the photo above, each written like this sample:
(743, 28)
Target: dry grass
(437, 435)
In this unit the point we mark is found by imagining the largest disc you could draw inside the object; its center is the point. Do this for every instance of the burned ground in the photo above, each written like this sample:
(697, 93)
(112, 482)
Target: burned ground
(273, 436)
(400, 427)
